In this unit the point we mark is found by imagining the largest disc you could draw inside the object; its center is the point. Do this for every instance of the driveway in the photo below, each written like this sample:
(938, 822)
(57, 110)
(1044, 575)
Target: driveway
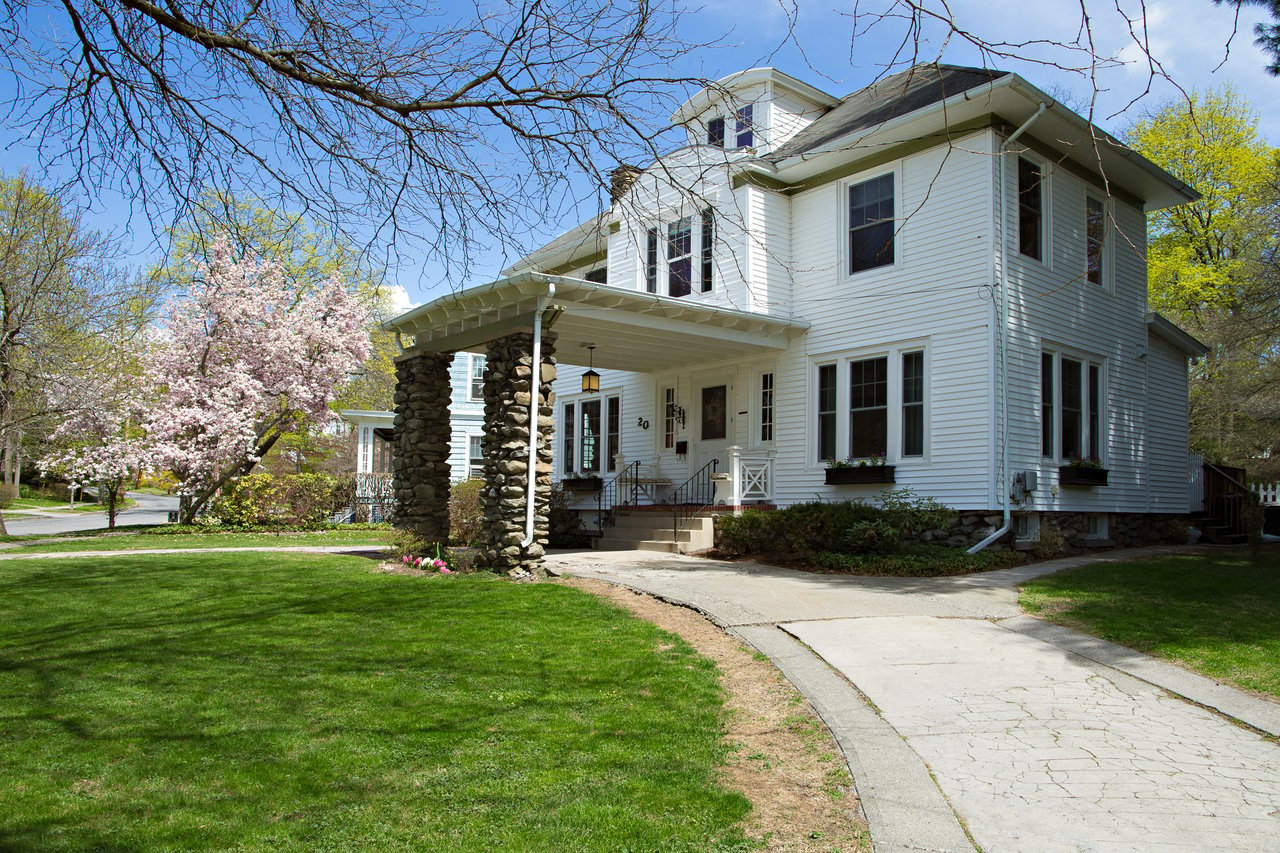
(151, 509)
(966, 722)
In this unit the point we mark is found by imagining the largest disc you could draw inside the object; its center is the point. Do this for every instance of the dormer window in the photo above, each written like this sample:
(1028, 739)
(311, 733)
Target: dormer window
(715, 132)
(743, 130)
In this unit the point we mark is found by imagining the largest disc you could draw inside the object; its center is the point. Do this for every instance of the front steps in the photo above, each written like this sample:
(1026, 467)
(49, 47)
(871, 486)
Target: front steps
(650, 530)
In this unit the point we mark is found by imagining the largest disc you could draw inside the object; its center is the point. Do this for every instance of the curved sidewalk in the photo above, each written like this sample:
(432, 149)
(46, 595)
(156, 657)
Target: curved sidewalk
(965, 721)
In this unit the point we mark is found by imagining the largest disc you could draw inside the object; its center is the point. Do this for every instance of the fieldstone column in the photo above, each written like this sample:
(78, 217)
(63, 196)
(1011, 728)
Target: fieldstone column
(421, 461)
(508, 385)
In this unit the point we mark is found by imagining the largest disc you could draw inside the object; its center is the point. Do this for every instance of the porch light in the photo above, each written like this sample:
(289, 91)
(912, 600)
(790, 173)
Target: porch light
(591, 379)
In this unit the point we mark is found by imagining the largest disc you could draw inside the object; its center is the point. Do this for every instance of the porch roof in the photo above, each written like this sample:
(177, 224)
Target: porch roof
(631, 330)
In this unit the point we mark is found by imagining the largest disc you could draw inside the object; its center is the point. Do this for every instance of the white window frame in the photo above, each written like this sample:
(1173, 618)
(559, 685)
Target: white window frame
(893, 353)
(1097, 444)
(607, 462)
(1104, 263)
(658, 275)
(1014, 241)
(842, 218)
(474, 360)
(475, 470)
(667, 423)
(758, 406)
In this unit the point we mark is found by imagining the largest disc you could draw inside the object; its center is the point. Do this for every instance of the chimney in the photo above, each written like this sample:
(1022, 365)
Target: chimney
(621, 179)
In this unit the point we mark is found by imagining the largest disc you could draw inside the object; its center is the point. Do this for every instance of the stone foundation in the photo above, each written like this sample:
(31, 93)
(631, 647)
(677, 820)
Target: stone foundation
(507, 389)
(1124, 530)
(421, 464)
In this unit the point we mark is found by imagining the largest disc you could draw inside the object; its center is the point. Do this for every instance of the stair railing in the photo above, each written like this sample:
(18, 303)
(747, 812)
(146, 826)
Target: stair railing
(697, 493)
(619, 492)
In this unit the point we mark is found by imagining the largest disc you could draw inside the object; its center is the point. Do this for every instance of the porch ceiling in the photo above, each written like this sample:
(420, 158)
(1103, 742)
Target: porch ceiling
(630, 330)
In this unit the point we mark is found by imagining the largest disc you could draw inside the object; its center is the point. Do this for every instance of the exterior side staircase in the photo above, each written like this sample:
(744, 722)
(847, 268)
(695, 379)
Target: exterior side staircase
(650, 529)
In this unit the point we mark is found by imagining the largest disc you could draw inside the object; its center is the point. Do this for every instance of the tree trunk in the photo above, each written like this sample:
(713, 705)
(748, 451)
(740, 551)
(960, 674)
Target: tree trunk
(202, 498)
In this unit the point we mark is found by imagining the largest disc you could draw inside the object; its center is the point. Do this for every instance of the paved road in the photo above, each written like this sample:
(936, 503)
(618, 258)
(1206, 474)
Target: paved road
(151, 509)
(968, 714)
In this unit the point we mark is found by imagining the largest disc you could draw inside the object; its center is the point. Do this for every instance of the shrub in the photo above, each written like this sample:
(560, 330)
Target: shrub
(246, 502)
(1050, 542)
(913, 514)
(918, 561)
(466, 513)
(304, 500)
(870, 537)
(8, 494)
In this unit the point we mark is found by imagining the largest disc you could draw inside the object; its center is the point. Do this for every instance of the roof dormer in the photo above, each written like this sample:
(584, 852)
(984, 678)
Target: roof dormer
(758, 109)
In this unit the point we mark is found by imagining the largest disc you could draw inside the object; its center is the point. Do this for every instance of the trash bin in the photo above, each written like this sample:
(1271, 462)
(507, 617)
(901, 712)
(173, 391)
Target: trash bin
(173, 516)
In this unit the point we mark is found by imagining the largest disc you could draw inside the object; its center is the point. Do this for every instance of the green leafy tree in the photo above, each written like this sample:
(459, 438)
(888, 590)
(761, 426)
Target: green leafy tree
(1212, 268)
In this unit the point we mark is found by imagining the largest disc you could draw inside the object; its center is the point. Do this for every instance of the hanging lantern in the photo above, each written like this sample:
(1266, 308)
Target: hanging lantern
(591, 379)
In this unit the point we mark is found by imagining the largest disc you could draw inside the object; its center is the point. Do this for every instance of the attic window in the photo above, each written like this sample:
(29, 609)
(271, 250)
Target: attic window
(715, 132)
(599, 275)
(745, 137)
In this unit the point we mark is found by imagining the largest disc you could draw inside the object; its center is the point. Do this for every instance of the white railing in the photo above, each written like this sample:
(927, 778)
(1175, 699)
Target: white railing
(751, 475)
(1268, 493)
(1195, 481)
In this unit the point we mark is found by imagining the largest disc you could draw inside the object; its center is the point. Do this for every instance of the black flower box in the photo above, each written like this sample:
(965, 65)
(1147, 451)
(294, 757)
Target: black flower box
(581, 484)
(1073, 476)
(865, 474)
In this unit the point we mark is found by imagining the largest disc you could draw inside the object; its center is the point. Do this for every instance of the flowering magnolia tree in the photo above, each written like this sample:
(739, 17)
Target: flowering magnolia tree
(246, 356)
(98, 447)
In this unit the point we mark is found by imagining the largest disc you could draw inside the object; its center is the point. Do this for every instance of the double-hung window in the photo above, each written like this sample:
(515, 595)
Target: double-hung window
(1071, 396)
(744, 135)
(715, 132)
(475, 374)
(1030, 209)
(885, 400)
(590, 439)
(871, 224)
(671, 263)
(1095, 239)
(680, 257)
(475, 456)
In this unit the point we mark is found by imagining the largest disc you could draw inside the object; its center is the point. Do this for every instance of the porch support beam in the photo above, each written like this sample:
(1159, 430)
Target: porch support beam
(509, 383)
(421, 435)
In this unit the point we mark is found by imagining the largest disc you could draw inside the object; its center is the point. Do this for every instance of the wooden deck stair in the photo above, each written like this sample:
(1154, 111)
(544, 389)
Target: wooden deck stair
(649, 529)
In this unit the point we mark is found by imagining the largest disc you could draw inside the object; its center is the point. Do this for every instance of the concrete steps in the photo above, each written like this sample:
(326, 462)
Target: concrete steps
(647, 530)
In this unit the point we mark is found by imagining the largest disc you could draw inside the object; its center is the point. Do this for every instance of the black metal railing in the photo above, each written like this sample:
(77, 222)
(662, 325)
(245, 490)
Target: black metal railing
(697, 493)
(619, 492)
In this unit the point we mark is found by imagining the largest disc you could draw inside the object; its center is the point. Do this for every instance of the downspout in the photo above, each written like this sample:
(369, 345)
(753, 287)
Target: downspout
(535, 393)
(1002, 321)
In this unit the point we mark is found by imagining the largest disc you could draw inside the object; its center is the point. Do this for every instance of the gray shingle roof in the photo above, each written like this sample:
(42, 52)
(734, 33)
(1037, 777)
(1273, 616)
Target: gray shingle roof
(894, 96)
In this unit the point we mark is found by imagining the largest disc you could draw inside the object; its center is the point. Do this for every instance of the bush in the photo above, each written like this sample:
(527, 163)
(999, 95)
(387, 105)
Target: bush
(305, 500)
(466, 513)
(260, 500)
(246, 501)
(918, 561)
(8, 494)
(870, 537)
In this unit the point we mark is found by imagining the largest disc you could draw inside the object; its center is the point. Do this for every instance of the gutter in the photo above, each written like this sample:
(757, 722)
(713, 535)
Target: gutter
(535, 393)
(1002, 322)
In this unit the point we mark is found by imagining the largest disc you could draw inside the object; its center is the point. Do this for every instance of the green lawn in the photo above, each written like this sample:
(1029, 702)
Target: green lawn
(101, 540)
(305, 702)
(1215, 612)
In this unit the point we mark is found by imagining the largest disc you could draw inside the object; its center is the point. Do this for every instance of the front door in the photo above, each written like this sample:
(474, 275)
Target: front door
(714, 429)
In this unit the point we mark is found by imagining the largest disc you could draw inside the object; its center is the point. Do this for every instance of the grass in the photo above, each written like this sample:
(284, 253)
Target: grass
(144, 538)
(1216, 613)
(304, 702)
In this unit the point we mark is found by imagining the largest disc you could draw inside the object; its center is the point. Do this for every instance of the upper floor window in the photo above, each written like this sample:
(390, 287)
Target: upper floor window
(715, 132)
(871, 224)
(475, 372)
(1095, 235)
(744, 127)
(680, 256)
(600, 275)
(651, 261)
(708, 245)
(1030, 209)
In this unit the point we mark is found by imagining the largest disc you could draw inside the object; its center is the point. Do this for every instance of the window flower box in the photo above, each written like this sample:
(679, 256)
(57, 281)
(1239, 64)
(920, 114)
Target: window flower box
(849, 476)
(1078, 475)
(581, 484)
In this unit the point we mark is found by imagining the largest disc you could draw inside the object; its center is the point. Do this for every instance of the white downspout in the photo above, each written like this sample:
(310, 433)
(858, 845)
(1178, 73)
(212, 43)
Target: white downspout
(1002, 320)
(535, 393)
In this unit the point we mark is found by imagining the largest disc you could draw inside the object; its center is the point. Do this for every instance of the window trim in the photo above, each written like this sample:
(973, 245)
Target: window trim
(716, 132)
(764, 430)
(472, 360)
(841, 361)
(670, 429)
(843, 220)
(1105, 277)
(1045, 213)
(744, 126)
(1094, 398)
(658, 257)
(475, 471)
(571, 437)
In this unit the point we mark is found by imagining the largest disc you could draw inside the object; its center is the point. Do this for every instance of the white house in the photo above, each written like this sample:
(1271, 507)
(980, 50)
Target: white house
(943, 272)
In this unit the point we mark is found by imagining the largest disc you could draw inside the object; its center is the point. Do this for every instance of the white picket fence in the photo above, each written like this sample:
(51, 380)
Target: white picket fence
(1268, 493)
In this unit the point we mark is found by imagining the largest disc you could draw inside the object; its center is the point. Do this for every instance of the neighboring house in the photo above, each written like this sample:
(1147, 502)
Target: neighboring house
(373, 430)
(943, 272)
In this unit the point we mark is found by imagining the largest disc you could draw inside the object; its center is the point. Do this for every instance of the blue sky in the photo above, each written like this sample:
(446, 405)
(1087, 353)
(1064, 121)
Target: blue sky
(822, 43)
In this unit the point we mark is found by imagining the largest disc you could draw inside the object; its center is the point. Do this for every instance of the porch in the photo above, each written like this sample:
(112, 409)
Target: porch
(581, 324)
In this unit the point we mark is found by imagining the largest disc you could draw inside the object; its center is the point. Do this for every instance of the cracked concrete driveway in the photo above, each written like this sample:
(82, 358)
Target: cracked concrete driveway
(969, 715)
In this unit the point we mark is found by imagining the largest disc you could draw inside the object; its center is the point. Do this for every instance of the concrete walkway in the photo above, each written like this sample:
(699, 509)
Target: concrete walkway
(965, 722)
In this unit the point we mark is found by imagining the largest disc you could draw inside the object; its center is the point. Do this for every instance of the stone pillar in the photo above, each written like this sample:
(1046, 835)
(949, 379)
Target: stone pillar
(507, 390)
(421, 460)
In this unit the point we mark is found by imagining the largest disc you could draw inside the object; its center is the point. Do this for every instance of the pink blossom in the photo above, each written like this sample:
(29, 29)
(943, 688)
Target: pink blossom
(445, 570)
